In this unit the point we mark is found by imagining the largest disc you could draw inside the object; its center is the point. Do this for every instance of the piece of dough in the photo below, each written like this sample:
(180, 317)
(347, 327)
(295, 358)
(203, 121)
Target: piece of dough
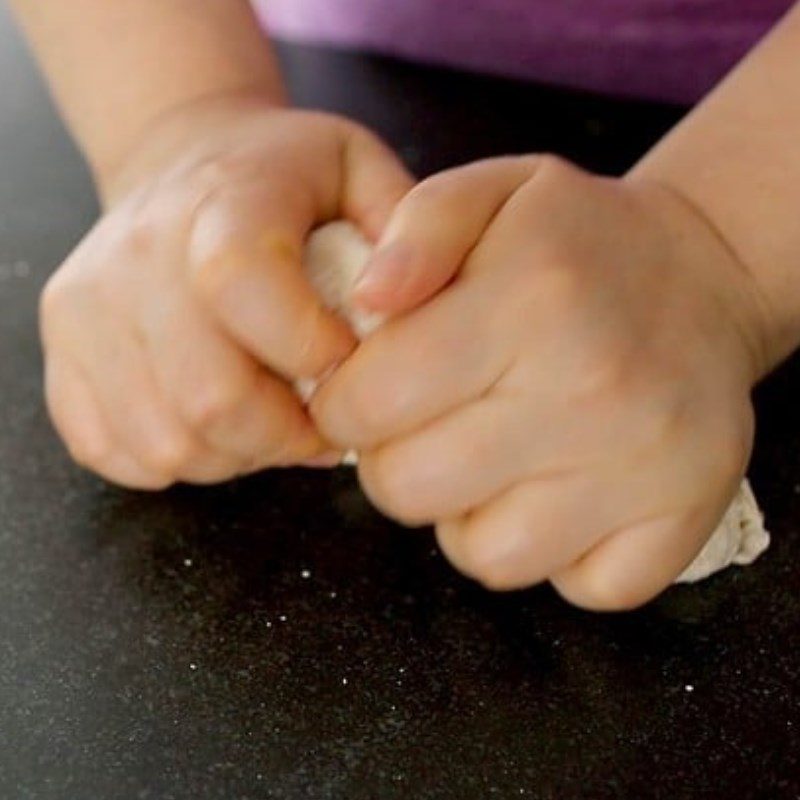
(335, 256)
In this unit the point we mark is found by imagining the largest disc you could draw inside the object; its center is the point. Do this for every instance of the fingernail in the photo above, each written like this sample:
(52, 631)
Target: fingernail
(387, 269)
(324, 461)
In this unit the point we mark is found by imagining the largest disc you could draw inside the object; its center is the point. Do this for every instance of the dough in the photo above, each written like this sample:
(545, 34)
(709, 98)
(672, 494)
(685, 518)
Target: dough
(335, 256)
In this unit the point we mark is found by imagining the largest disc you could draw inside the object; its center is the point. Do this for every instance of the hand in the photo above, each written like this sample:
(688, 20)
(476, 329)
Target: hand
(172, 331)
(574, 405)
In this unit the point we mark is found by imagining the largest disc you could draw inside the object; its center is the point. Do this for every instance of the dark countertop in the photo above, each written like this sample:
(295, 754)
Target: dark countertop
(169, 646)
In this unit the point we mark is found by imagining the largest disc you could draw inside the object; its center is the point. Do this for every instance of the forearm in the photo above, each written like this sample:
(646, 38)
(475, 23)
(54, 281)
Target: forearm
(736, 158)
(117, 67)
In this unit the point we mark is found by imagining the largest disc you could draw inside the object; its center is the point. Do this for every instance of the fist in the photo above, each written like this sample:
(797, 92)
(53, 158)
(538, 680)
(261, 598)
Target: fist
(173, 332)
(573, 402)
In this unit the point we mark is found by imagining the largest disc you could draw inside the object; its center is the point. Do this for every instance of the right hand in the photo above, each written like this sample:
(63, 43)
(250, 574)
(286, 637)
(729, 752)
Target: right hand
(174, 330)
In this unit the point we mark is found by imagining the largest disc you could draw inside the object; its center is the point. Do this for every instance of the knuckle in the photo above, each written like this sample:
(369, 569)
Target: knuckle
(433, 192)
(365, 409)
(394, 490)
(213, 271)
(601, 589)
(603, 380)
(89, 452)
(555, 168)
(140, 238)
(56, 295)
(429, 188)
(559, 280)
(214, 250)
(152, 483)
(498, 578)
(213, 403)
(481, 563)
(51, 298)
(169, 456)
(221, 167)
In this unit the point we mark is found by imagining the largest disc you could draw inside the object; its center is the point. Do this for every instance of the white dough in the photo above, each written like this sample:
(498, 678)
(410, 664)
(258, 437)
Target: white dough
(335, 256)
(740, 538)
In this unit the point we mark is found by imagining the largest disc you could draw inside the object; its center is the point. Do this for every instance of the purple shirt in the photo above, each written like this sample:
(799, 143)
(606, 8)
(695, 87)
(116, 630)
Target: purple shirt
(662, 49)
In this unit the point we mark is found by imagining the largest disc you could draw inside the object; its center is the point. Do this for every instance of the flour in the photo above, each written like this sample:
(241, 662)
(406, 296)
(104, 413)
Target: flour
(335, 256)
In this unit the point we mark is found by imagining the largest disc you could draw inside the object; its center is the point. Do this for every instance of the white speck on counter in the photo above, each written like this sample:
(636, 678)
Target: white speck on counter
(187, 562)
(333, 595)
(689, 687)
(344, 681)
(401, 670)
(305, 574)
(192, 667)
(269, 624)
(282, 617)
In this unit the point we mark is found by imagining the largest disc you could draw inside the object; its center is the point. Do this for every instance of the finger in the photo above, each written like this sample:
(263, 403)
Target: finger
(269, 427)
(206, 467)
(528, 532)
(149, 429)
(453, 465)
(245, 258)
(412, 370)
(433, 230)
(232, 404)
(633, 566)
(374, 181)
(141, 420)
(79, 421)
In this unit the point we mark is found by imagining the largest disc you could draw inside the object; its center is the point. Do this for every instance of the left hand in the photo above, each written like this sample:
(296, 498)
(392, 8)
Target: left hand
(574, 405)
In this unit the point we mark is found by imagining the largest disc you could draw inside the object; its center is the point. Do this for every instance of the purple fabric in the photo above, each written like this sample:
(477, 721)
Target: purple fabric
(663, 49)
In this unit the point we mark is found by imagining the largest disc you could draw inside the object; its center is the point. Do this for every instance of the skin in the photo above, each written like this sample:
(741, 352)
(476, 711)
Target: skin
(566, 424)
(173, 331)
(573, 404)
(563, 389)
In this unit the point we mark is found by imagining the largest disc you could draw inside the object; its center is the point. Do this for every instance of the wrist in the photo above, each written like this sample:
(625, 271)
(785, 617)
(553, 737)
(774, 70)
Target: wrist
(720, 273)
(766, 285)
(178, 133)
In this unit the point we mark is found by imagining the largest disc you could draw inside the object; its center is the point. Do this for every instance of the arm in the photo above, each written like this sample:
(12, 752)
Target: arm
(736, 159)
(116, 68)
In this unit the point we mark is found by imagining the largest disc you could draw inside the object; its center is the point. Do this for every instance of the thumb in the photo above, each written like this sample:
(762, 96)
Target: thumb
(432, 231)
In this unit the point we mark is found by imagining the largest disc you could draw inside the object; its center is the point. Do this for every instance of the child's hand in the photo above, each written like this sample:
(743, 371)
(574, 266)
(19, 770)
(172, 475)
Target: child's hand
(173, 329)
(575, 405)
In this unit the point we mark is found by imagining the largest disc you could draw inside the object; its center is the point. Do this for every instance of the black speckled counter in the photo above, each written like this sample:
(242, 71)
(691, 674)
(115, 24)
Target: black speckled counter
(275, 638)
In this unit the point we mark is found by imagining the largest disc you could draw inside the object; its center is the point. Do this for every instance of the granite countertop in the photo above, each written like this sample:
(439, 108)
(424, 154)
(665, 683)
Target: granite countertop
(276, 638)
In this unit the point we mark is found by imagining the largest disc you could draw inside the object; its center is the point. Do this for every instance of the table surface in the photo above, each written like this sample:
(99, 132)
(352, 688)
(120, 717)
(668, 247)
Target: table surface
(276, 638)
